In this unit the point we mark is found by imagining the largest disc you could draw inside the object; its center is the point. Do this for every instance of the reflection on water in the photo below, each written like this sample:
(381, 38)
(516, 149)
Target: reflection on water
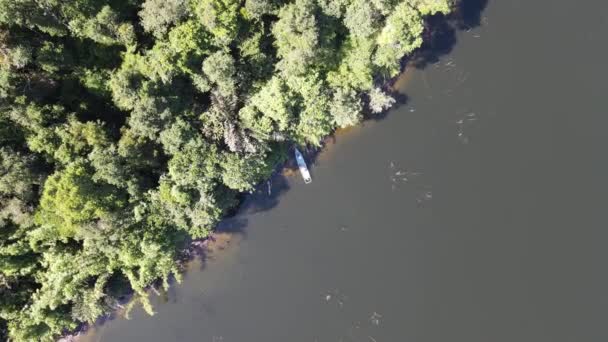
(220, 247)
(403, 79)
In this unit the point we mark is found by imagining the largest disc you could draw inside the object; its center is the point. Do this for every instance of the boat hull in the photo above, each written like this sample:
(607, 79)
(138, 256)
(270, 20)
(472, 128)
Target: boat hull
(303, 167)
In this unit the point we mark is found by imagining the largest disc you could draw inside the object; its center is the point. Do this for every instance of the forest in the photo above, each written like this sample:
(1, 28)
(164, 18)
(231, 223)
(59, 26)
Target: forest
(129, 128)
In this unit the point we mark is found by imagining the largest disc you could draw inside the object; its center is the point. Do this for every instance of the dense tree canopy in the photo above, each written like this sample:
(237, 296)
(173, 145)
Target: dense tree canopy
(129, 128)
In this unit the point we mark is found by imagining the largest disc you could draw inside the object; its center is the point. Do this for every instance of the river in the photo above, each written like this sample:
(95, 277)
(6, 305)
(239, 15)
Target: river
(476, 211)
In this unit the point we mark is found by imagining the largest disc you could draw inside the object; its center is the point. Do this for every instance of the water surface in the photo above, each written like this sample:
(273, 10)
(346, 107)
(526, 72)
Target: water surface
(475, 212)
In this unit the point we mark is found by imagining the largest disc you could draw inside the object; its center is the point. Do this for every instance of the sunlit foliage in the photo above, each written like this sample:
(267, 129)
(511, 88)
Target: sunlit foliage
(129, 128)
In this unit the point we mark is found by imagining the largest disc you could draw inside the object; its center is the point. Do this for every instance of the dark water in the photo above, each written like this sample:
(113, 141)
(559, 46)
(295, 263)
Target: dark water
(498, 233)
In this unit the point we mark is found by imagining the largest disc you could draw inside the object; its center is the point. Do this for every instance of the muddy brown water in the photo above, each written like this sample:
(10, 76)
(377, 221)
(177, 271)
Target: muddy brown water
(474, 212)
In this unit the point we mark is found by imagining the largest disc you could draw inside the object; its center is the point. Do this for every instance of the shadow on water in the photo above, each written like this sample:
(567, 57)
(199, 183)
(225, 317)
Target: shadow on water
(440, 33)
(469, 12)
(232, 225)
(229, 229)
(267, 194)
(200, 252)
(439, 40)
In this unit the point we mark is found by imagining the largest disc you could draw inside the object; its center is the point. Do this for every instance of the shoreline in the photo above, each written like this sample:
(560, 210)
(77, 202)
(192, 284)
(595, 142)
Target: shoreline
(198, 248)
(288, 168)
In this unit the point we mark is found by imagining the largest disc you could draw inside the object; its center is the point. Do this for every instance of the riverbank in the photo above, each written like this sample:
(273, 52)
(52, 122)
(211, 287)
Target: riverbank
(509, 247)
(197, 247)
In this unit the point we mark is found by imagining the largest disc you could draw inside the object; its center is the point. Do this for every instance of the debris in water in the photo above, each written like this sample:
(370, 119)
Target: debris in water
(336, 296)
(412, 110)
(465, 121)
(426, 196)
(401, 176)
(373, 339)
(462, 77)
(375, 318)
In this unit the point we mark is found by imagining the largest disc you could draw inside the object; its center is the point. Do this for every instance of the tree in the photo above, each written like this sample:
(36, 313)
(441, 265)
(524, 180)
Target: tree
(401, 35)
(333, 8)
(129, 128)
(385, 6)
(314, 119)
(161, 63)
(379, 101)
(109, 167)
(106, 28)
(17, 176)
(195, 165)
(18, 183)
(149, 117)
(19, 56)
(32, 15)
(270, 110)
(77, 139)
(96, 82)
(356, 70)
(243, 172)
(220, 17)
(257, 8)
(346, 108)
(53, 57)
(90, 304)
(129, 84)
(71, 198)
(297, 37)
(431, 7)
(176, 136)
(158, 15)
(361, 18)
(220, 69)
(190, 42)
